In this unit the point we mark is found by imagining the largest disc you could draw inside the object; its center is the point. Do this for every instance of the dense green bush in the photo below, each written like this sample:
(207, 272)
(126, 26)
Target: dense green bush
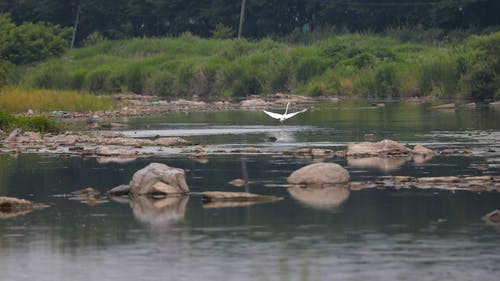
(482, 72)
(31, 42)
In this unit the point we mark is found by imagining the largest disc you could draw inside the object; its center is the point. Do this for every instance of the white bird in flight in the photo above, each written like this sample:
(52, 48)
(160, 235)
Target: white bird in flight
(284, 116)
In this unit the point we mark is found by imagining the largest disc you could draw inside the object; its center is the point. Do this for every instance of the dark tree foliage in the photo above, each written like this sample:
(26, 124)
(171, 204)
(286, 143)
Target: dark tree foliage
(30, 42)
(137, 18)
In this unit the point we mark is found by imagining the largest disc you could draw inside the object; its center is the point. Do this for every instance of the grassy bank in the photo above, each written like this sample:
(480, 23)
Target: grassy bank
(15, 99)
(351, 64)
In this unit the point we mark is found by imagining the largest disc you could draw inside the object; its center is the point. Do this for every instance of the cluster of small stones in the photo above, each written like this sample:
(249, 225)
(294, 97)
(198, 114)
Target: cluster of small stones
(452, 183)
(23, 141)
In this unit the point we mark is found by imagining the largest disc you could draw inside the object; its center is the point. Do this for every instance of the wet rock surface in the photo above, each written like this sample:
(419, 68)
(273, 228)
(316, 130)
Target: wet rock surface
(95, 143)
(319, 173)
(217, 196)
(158, 178)
(452, 183)
(492, 218)
(12, 207)
(381, 148)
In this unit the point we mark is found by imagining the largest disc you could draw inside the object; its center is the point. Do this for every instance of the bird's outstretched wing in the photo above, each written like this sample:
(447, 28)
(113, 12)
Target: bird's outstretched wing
(290, 115)
(273, 115)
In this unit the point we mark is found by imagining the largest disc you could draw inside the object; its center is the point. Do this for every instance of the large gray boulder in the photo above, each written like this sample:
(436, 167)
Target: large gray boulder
(319, 173)
(381, 148)
(157, 178)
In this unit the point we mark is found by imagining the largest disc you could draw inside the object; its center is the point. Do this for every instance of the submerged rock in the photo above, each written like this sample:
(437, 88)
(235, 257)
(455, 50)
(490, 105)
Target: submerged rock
(159, 178)
(381, 148)
(492, 218)
(448, 106)
(11, 207)
(87, 196)
(319, 173)
(238, 182)
(211, 196)
(452, 183)
(106, 151)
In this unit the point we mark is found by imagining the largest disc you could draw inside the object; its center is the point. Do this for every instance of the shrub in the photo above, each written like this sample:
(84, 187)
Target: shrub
(93, 38)
(482, 76)
(439, 77)
(222, 31)
(30, 42)
(309, 67)
(161, 83)
(37, 123)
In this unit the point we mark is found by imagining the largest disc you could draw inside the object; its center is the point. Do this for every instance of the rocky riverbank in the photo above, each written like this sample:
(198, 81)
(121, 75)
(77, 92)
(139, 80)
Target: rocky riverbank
(132, 105)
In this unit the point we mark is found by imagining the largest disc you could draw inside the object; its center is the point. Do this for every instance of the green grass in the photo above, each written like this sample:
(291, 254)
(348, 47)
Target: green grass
(362, 64)
(15, 99)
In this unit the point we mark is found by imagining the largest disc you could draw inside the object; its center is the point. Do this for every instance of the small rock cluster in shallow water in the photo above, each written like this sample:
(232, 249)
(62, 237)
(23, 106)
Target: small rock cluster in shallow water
(19, 141)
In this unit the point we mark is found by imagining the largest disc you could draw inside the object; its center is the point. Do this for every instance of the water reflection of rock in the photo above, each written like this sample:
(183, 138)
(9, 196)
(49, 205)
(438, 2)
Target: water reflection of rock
(320, 196)
(382, 163)
(159, 212)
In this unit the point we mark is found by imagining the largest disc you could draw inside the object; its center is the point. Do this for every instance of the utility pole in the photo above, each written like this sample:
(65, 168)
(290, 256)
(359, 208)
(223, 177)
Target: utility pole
(242, 18)
(75, 27)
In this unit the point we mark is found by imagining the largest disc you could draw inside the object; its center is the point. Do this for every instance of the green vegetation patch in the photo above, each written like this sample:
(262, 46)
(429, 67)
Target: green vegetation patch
(362, 64)
(37, 123)
(14, 99)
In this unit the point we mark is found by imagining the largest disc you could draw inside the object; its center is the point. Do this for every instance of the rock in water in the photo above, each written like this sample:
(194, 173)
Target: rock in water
(11, 207)
(381, 148)
(492, 218)
(159, 178)
(422, 150)
(210, 196)
(319, 173)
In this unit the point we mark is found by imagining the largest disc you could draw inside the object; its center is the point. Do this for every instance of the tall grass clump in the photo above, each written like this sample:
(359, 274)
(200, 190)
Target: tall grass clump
(14, 99)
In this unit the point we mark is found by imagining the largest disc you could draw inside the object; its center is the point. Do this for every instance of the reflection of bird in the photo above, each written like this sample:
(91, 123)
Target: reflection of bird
(284, 116)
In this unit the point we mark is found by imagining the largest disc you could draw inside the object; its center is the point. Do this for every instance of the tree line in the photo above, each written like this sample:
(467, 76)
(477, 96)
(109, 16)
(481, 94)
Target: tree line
(116, 19)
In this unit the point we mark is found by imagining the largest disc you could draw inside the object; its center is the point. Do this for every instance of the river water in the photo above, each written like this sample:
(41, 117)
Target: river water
(371, 234)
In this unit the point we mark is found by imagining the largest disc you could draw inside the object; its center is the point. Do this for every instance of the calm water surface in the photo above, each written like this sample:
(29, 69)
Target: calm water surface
(371, 234)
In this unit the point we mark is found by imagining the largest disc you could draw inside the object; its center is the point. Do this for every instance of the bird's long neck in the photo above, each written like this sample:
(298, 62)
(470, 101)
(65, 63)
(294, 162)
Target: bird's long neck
(286, 110)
